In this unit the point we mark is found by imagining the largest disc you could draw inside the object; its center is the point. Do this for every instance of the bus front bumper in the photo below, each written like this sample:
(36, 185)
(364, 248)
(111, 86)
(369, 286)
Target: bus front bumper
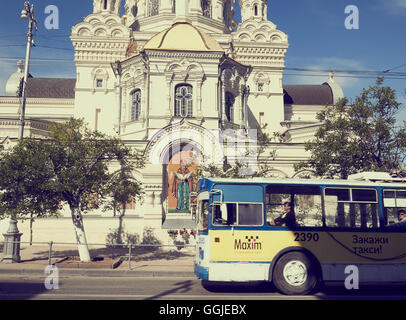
(201, 272)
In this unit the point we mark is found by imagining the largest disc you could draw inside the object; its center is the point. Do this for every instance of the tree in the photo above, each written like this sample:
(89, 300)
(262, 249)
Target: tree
(123, 189)
(26, 182)
(79, 159)
(361, 137)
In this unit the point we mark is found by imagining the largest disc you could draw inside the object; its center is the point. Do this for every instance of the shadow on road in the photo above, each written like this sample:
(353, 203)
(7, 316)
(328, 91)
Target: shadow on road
(238, 287)
(370, 291)
(21, 290)
(326, 292)
(180, 287)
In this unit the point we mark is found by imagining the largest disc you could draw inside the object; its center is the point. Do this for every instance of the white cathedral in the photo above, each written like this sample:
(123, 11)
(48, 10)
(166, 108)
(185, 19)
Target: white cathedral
(166, 76)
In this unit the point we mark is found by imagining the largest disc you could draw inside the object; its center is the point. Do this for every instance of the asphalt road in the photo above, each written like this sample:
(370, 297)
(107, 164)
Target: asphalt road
(29, 287)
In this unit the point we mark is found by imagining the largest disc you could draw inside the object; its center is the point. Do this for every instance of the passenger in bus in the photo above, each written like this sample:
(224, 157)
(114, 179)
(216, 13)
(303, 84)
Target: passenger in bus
(287, 218)
(401, 224)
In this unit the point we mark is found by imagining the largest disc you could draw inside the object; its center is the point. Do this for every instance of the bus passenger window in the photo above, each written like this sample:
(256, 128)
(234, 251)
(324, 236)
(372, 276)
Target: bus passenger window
(351, 208)
(250, 214)
(304, 200)
(394, 201)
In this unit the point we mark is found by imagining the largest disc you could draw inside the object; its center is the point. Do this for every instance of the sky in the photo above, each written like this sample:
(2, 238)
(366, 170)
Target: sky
(319, 40)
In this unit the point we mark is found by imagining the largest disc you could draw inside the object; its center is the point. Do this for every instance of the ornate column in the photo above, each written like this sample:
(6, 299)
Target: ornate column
(195, 7)
(166, 7)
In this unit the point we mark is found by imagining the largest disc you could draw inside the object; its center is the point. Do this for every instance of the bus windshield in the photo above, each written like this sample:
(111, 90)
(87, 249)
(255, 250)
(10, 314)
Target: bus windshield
(203, 215)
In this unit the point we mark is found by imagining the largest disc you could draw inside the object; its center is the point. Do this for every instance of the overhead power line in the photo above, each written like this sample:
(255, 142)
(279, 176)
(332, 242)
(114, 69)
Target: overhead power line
(362, 72)
(308, 72)
(343, 76)
(402, 65)
(36, 59)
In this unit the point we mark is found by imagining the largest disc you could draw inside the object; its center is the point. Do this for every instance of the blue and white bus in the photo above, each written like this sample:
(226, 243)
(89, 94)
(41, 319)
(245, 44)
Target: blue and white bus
(336, 223)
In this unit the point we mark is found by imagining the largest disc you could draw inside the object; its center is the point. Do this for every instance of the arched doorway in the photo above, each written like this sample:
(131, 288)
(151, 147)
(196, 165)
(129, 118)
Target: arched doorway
(182, 179)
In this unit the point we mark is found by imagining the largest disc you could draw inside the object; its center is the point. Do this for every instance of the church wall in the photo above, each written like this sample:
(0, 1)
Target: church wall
(97, 228)
(209, 103)
(302, 112)
(97, 110)
(266, 110)
(96, 101)
(37, 107)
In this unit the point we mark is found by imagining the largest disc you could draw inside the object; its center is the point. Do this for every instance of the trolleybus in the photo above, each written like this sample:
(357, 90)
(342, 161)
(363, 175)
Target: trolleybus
(336, 223)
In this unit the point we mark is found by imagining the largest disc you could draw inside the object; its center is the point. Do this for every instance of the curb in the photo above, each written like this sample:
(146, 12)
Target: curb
(100, 272)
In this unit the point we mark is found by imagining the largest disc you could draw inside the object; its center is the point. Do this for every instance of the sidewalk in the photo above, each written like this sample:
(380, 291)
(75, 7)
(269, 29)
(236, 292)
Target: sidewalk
(154, 264)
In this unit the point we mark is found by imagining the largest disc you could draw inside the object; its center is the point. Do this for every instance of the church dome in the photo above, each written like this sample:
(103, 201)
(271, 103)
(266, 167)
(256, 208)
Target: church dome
(14, 81)
(183, 36)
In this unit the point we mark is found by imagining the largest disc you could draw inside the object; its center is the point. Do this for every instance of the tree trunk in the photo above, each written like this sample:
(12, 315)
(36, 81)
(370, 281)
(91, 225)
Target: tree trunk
(83, 249)
(31, 223)
(120, 221)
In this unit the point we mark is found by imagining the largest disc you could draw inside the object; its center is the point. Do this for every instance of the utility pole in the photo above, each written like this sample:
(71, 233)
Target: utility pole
(11, 247)
(26, 13)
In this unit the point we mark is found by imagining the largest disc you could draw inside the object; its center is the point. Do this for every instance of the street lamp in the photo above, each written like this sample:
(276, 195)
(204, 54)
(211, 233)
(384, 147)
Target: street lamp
(11, 247)
(117, 69)
(26, 13)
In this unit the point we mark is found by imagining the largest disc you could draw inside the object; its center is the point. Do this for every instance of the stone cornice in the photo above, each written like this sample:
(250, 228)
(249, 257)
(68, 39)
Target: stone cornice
(86, 43)
(30, 124)
(184, 54)
(37, 101)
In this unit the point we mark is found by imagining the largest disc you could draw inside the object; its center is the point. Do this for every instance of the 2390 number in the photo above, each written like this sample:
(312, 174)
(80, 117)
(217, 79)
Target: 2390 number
(306, 236)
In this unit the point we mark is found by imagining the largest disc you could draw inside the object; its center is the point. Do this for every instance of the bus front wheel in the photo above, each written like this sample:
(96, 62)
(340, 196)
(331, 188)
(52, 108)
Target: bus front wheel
(295, 273)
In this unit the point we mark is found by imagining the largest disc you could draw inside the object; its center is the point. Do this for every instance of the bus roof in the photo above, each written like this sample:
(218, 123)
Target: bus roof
(318, 181)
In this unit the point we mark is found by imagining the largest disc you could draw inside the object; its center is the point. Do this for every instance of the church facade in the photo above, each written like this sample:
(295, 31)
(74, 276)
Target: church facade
(170, 77)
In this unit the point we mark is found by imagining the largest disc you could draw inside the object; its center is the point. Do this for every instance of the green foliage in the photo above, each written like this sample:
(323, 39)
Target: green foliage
(361, 137)
(79, 159)
(27, 185)
(71, 166)
(123, 186)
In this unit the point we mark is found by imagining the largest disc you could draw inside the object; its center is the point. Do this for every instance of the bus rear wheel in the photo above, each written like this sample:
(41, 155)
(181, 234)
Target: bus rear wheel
(295, 273)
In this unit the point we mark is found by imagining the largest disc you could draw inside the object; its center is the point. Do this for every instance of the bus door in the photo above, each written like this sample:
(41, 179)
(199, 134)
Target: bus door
(237, 214)
(202, 241)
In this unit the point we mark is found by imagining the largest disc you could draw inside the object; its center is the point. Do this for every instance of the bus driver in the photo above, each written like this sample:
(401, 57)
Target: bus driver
(401, 224)
(285, 219)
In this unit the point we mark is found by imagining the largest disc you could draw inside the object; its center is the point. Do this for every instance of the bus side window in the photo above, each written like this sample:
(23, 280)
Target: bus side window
(250, 214)
(394, 200)
(351, 207)
(225, 214)
(305, 204)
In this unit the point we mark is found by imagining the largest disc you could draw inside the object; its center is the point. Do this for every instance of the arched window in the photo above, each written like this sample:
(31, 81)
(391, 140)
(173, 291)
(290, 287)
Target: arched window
(105, 5)
(153, 7)
(135, 105)
(255, 10)
(206, 8)
(183, 100)
(229, 107)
